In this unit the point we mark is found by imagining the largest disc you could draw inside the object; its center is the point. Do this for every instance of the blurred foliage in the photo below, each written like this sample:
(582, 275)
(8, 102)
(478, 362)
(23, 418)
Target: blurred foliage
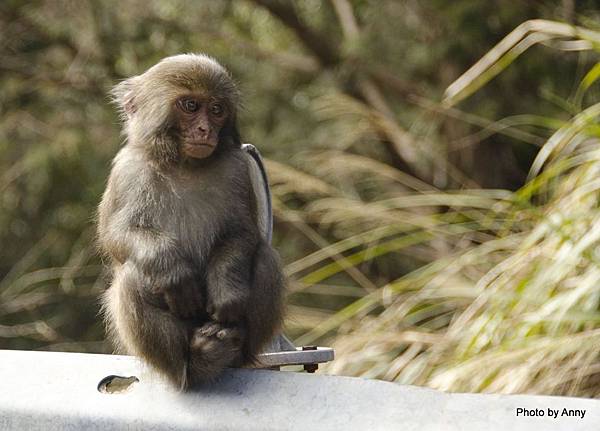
(453, 245)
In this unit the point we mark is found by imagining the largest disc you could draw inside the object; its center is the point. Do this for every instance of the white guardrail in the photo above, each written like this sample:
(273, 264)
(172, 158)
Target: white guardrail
(75, 391)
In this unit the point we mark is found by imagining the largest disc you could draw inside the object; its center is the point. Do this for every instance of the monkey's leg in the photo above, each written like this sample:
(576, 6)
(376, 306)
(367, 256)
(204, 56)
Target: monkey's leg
(228, 280)
(265, 304)
(144, 329)
(245, 290)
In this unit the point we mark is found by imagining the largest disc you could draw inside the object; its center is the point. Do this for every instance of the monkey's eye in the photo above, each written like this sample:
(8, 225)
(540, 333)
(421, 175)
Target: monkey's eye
(216, 109)
(189, 105)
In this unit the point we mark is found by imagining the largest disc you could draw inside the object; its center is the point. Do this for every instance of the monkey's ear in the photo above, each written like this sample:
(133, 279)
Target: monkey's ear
(123, 95)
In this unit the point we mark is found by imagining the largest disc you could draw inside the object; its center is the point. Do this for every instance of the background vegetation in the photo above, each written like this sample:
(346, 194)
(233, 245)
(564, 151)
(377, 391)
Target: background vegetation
(437, 229)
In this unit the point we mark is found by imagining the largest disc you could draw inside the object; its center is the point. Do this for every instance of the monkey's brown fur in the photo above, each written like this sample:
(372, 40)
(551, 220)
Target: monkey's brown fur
(195, 286)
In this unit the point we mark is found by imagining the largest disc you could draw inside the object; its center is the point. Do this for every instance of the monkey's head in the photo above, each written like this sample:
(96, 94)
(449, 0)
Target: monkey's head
(182, 108)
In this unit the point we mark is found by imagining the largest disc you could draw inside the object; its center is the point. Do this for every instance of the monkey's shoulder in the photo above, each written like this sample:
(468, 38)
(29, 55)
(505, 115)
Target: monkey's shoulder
(130, 166)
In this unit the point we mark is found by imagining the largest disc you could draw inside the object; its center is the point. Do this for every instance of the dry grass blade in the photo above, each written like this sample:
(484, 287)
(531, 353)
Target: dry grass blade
(508, 49)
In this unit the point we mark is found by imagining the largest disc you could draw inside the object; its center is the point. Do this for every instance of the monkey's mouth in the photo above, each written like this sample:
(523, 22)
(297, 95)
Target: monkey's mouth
(200, 144)
(198, 150)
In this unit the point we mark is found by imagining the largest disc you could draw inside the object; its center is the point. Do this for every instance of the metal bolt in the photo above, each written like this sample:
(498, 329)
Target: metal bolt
(310, 368)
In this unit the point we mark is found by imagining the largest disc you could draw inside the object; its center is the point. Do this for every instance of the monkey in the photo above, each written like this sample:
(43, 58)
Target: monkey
(195, 286)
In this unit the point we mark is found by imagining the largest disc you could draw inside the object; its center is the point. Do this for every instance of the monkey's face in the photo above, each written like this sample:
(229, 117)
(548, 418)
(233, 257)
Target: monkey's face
(199, 120)
(184, 107)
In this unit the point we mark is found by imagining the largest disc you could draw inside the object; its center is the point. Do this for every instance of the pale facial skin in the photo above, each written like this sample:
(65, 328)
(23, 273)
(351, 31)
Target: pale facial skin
(199, 121)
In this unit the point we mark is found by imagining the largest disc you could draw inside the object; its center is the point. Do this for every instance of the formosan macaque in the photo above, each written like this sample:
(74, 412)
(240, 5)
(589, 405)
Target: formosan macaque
(195, 288)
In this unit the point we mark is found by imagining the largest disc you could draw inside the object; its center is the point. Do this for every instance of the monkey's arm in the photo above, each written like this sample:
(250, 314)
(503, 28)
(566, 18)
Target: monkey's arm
(245, 287)
(168, 279)
(228, 278)
(265, 304)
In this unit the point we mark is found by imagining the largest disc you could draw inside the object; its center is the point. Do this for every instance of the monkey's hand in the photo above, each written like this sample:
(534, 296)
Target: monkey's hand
(228, 281)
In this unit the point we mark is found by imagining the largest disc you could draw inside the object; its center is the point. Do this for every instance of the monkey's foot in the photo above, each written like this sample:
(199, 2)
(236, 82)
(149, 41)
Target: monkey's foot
(210, 333)
(213, 347)
(214, 329)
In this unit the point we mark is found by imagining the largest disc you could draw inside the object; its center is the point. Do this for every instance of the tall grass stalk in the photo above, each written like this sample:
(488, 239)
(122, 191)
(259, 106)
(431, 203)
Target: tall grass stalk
(505, 296)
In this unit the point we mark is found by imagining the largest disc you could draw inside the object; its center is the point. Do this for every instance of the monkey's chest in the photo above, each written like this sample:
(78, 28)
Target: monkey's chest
(200, 216)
